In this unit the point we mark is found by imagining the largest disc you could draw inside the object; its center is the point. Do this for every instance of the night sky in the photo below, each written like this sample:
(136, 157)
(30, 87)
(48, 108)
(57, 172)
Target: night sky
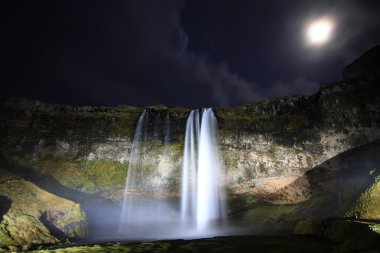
(192, 53)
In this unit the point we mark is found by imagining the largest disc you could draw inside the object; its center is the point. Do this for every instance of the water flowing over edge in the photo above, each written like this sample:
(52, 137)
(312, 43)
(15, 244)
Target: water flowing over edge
(202, 200)
(202, 195)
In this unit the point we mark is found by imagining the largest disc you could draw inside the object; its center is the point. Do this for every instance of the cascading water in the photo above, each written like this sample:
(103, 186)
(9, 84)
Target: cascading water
(156, 133)
(189, 171)
(166, 130)
(134, 160)
(148, 215)
(202, 198)
(209, 196)
(144, 210)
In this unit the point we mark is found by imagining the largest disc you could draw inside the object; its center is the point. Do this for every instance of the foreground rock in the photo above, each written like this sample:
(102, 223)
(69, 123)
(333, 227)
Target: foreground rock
(30, 215)
(350, 235)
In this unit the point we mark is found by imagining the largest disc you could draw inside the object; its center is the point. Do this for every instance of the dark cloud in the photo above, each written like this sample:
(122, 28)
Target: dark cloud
(98, 52)
(264, 42)
(299, 86)
(193, 53)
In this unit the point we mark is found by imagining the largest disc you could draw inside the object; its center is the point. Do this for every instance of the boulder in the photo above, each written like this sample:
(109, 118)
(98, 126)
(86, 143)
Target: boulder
(31, 215)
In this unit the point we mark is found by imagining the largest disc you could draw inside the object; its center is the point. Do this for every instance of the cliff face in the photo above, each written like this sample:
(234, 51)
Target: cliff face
(287, 137)
(266, 147)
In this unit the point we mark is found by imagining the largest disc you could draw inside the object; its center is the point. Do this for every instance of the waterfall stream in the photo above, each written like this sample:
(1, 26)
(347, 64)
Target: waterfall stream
(202, 200)
(135, 160)
(202, 196)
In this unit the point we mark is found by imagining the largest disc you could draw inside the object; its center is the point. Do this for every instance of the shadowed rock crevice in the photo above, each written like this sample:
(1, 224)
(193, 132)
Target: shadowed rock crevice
(55, 231)
(342, 179)
(338, 183)
(52, 219)
(336, 187)
(5, 205)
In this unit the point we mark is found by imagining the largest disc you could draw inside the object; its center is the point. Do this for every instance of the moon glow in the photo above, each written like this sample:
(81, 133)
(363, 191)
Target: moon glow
(319, 31)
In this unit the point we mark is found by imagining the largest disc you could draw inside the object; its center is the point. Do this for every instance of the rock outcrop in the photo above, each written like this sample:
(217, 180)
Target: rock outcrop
(31, 215)
(367, 67)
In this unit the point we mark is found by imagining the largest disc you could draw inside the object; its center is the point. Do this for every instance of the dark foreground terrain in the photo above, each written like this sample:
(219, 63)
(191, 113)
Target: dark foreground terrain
(257, 244)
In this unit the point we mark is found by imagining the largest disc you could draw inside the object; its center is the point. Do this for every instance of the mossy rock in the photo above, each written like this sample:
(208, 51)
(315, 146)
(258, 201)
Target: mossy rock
(98, 177)
(307, 227)
(368, 205)
(350, 234)
(36, 216)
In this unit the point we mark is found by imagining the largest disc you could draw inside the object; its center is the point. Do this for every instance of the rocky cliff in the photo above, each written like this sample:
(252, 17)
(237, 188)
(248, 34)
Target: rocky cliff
(270, 150)
(264, 145)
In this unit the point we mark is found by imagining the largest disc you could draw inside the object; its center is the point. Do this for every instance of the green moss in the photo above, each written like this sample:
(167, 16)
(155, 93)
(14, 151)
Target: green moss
(87, 176)
(262, 215)
(375, 228)
(235, 121)
(105, 173)
(307, 227)
(22, 223)
(368, 205)
(351, 234)
(263, 168)
(296, 123)
(5, 238)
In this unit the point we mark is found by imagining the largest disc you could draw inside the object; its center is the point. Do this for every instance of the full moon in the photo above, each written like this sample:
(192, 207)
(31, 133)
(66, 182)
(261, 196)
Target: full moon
(319, 31)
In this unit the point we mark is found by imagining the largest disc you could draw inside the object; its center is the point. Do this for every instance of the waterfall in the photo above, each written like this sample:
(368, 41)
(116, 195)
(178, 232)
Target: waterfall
(208, 208)
(202, 202)
(137, 152)
(143, 213)
(202, 198)
(156, 134)
(166, 130)
(189, 182)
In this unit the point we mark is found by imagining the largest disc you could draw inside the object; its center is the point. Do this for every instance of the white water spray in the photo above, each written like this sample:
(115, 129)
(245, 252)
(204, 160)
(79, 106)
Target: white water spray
(135, 159)
(156, 132)
(202, 198)
(189, 171)
(166, 130)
